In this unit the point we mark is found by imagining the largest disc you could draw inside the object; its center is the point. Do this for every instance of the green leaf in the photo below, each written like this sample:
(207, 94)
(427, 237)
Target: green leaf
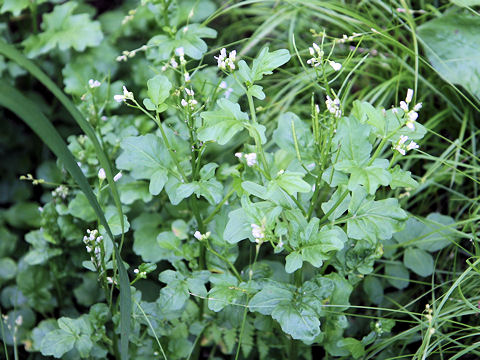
(63, 29)
(374, 289)
(221, 125)
(450, 42)
(354, 346)
(8, 269)
(293, 261)
(292, 182)
(369, 176)
(466, 3)
(402, 178)
(352, 139)
(159, 89)
(146, 229)
(80, 208)
(334, 200)
(133, 191)
(419, 261)
(84, 345)
(397, 275)
(16, 6)
(263, 64)
(373, 220)
(300, 321)
(283, 136)
(171, 246)
(190, 38)
(270, 296)
(147, 158)
(224, 291)
(256, 91)
(56, 343)
(238, 226)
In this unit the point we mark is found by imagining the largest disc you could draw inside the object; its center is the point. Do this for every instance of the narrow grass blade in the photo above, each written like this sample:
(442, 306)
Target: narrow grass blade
(29, 112)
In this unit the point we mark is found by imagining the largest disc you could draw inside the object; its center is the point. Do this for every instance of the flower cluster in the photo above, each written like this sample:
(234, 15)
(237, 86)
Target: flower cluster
(401, 146)
(93, 244)
(224, 62)
(199, 236)
(127, 95)
(258, 232)
(60, 192)
(317, 58)
(251, 158)
(411, 115)
(333, 106)
(191, 101)
(94, 83)
(180, 52)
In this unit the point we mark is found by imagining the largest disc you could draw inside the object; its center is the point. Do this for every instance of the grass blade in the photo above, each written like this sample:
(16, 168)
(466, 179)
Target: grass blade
(29, 112)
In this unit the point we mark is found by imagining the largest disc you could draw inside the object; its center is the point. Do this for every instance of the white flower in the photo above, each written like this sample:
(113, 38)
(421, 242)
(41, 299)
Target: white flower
(94, 83)
(19, 320)
(136, 271)
(187, 77)
(404, 106)
(408, 98)
(417, 107)
(410, 125)
(180, 51)
(336, 66)
(412, 145)
(312, 51)
(333, 106)
(189, 92)
(117, 177)
(258, 232)
(412, 116)
(101, 174)
(317, 48)
(173, 63)
(184, 102)
(251, 159)
(127, 95)
(239, 155)
(197, 235)
(402, 139)
(223, 85)
(223, 61)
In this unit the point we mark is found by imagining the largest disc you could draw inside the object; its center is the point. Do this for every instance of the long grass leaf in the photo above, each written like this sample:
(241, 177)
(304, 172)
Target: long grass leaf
(29, 112)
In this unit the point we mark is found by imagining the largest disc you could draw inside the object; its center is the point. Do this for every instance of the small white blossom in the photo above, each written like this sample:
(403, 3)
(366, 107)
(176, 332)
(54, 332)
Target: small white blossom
(101, 174)
(336, 66)
(412, 116)
(251, 159)
(223, 85)
(173, 63)
(121, 58)
(239, 155)
(187, 77)
(402, 148)
(333, 106)
(223, 61)
(412, 145)
(197, 235)
(19, 320)
(180, 51)
(127, 95)
(189, 92)
(258, 232)
(94, 83)
(117, 177)
(408, 98)
(136, 271)
(184, 102)
(404, 106)
(417, 107)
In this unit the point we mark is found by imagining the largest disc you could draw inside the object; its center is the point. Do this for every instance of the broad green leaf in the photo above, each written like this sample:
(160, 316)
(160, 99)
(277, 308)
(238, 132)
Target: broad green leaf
(369, 176)
(451, 44)
(190, 38)
(173, 296)
(84, 345)
(256, 91)
(292, 182)
(16, 6)
(225, 290)
(373, 220)
(366, 113)
(293, 261)
(283, 136)
(374, 289)
(64, 29)
(159, 89)
(238, 227)
(352, 139)
(438, 232)
(419, 261)
(171, 246)
(147, 158)
(56, 343)
(8, 269)
(221, 125)
(299, 321)
(133, 191)
(397, 275)
(146, 229)
(263, 64)
(80, 208)
(354, 346)
(402, 178)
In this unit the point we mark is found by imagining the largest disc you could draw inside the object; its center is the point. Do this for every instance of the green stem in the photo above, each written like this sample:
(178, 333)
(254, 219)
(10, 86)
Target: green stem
(334, 207)
(232, 267)
(218, 207)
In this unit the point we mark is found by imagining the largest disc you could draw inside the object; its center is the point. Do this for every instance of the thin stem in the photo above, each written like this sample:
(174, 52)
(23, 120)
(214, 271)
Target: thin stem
(218, 207)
